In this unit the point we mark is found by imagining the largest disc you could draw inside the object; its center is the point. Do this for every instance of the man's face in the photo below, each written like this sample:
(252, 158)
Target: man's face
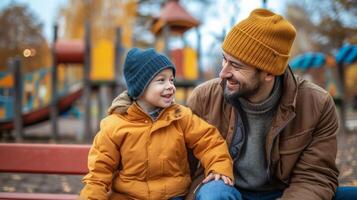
(240, 80)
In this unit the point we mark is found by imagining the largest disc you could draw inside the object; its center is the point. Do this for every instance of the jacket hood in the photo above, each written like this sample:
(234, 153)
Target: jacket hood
(120, 104)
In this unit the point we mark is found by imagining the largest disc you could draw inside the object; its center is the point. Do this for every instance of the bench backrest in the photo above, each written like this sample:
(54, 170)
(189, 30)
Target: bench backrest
(44, 158)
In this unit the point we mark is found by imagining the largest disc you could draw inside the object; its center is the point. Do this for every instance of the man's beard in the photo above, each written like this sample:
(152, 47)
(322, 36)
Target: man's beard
(244, 92)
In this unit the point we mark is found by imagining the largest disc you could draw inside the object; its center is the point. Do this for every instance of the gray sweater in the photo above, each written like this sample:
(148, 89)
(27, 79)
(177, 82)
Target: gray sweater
(248, 146)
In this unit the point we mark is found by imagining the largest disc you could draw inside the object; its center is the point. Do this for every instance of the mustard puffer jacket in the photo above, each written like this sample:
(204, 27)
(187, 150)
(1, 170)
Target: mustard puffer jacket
(139, 158)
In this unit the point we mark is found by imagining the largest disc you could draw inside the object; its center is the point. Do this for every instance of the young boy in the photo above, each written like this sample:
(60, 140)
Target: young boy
(142, 152)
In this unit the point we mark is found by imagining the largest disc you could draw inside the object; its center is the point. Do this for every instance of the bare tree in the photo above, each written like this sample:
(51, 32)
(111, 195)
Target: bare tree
(324, 25)
(21, 34)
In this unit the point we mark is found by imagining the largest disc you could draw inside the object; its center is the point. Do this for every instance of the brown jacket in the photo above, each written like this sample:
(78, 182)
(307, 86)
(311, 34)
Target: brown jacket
(301, 143)
(151, 155)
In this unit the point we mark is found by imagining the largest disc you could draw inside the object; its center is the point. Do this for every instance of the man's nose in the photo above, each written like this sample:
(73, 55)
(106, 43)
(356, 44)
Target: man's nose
(225, 72)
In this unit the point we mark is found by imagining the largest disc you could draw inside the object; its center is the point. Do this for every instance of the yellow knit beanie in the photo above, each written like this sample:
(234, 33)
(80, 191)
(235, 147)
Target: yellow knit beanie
(263, 40)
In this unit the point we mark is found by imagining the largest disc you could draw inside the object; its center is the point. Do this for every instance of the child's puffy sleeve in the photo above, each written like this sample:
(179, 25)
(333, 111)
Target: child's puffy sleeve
(103, 160)
(208, 146)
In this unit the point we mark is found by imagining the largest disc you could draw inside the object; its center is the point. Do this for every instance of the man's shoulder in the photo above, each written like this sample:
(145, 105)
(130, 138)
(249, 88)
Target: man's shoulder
(211, 83)
(311, 92)
(210, 86)
(311, 88)
(206, 97)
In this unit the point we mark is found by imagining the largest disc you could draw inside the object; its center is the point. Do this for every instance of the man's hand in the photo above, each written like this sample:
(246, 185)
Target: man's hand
(216, 177)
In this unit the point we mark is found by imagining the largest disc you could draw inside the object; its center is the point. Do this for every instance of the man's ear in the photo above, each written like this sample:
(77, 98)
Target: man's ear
(269, 77)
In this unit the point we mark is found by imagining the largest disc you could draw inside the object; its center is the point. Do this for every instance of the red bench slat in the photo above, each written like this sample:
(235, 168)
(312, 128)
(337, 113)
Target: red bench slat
(44, 158)
(38, 196)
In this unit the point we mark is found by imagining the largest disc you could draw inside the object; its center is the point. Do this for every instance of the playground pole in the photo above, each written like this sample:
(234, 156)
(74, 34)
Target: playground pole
(87, 125)
(119, 82)
(166, 31)
(341, 74)
(54, 108)
(265, 3)
(199, 64)
(15, 66)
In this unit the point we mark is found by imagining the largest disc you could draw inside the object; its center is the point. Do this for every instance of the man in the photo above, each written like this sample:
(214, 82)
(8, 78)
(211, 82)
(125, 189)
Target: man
(281, 130)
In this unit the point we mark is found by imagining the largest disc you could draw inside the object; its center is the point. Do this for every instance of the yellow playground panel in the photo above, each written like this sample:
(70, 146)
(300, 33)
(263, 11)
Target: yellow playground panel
(190, 67)
(351, 80)
(102, 60)
(185, 60)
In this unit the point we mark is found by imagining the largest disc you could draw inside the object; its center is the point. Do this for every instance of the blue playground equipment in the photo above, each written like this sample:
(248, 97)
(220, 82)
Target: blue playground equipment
(345, 55)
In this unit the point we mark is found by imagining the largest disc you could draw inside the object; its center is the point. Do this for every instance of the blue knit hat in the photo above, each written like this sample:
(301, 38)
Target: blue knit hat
(141, 66)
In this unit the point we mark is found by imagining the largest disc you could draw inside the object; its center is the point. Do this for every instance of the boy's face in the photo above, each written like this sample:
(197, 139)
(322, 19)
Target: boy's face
(160, 92)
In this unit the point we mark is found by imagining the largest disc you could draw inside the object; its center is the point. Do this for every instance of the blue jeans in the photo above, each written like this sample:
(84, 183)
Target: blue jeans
(215, 190)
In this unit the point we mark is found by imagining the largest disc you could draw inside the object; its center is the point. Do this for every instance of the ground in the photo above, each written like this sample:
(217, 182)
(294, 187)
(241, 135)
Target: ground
(70, 130)
(347, 158)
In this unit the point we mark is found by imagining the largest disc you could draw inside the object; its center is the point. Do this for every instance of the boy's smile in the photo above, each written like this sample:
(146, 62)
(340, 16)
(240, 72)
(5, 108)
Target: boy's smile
(168, 98)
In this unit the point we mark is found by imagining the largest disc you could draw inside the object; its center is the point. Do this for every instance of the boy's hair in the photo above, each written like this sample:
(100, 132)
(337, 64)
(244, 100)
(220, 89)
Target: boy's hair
(141, 66)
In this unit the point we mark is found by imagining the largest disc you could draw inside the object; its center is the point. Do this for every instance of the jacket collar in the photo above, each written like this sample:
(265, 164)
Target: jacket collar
(290, 90)
(285, 113)
(169, 114)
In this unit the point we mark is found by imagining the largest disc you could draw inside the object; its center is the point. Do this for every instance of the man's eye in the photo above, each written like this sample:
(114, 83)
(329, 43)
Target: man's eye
(236, 66)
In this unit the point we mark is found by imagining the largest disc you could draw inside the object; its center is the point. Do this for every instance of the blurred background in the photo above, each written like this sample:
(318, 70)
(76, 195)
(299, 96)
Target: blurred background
(61, 63)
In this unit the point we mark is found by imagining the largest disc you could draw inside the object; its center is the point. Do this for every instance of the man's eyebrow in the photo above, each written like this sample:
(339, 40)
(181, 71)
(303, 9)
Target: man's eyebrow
(236, 63)
(231, 61)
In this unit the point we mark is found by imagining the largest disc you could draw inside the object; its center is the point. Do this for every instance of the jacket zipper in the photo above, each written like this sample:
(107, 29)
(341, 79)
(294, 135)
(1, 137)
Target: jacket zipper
(147, 162)
(271, 147)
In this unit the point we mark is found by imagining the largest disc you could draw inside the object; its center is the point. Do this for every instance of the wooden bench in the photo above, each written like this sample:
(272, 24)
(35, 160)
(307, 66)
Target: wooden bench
(43, 159)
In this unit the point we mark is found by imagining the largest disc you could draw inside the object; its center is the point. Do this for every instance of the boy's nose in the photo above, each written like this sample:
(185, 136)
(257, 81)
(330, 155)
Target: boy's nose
(170, 86)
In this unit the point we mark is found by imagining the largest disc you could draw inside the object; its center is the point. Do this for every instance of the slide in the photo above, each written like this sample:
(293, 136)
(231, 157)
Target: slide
(43, 113)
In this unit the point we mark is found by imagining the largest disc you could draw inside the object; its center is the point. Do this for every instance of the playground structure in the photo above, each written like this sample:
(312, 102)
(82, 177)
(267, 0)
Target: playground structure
(173, 22)
(40, 105)
(334, 73)
(32, 91)
(46, 94)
